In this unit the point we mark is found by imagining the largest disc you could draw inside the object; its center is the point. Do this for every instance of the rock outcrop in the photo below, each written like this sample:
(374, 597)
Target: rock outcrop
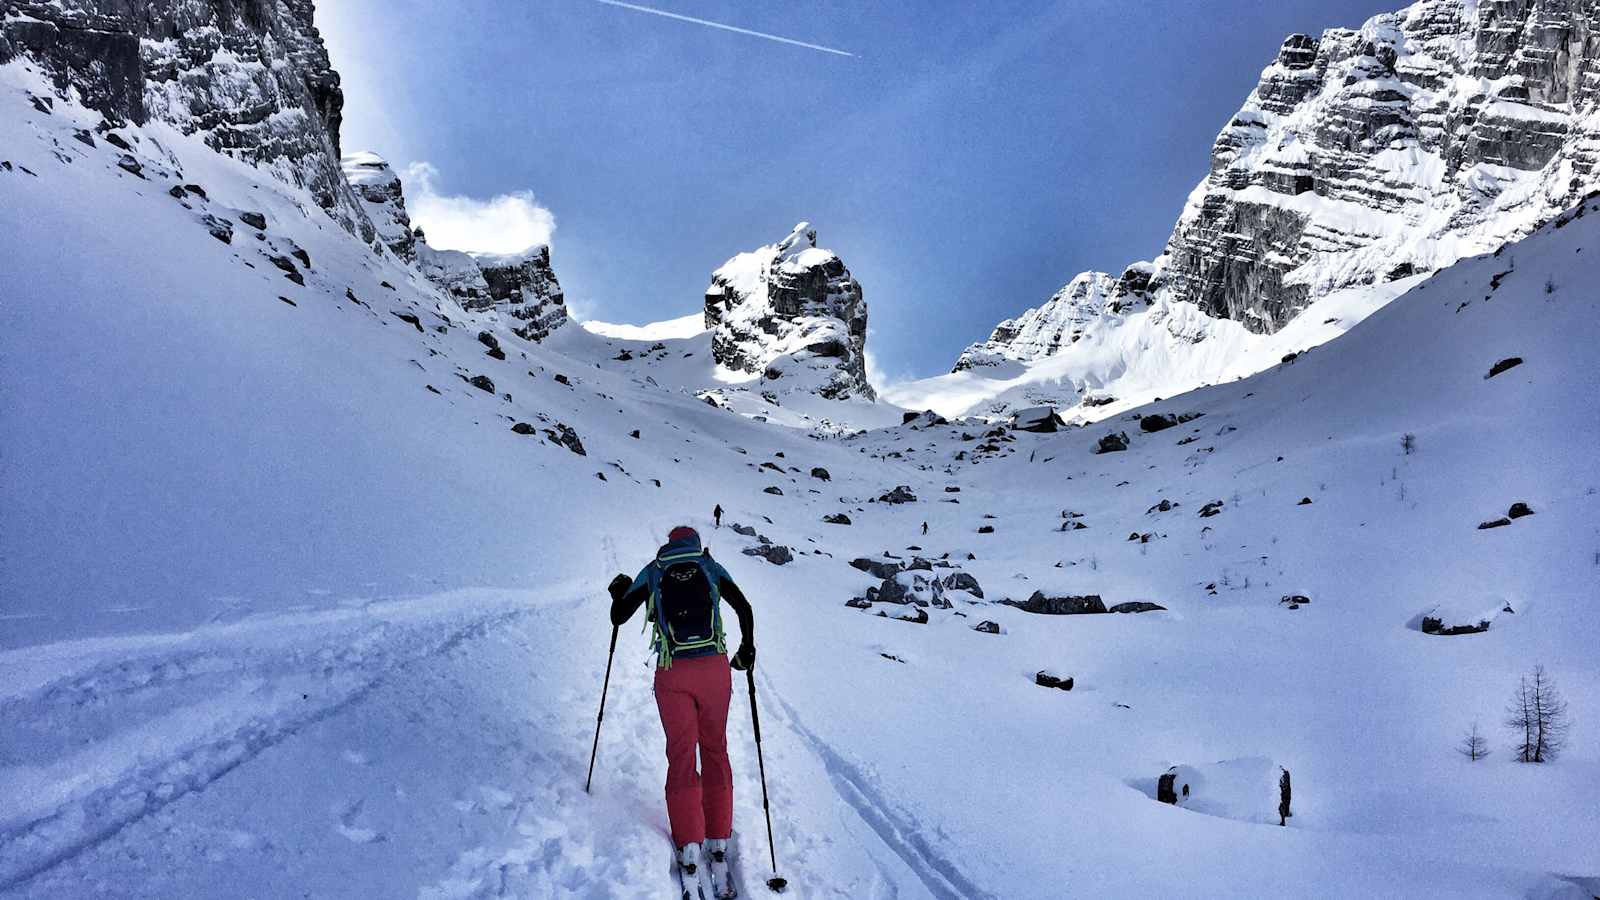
(1440, 131)
(522, 286)
(792, 313)
(383, 199)
(250, 77)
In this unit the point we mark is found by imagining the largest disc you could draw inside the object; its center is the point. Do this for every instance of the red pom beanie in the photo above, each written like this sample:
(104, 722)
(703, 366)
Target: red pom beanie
(681, 532)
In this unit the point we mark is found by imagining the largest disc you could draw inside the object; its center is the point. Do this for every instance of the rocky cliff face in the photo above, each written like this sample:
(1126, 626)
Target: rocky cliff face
(250, 76)
(1429, 134)
(792, 312)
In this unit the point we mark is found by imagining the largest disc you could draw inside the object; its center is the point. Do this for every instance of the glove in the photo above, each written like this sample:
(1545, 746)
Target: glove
(745, 656)
(618, 588)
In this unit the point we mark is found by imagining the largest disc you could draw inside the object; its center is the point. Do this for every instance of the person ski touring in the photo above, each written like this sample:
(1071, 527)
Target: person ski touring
(924, 527)
(682, 590)
(716, 514)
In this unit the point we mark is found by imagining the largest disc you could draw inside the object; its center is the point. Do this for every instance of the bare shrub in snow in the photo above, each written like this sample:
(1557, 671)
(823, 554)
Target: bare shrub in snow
(1537, 717)
(1473, 745)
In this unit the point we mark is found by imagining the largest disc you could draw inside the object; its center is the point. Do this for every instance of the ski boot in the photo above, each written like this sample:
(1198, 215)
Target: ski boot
(722, 885)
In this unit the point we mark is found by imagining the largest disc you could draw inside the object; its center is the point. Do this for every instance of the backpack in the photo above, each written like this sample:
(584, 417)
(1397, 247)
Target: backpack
(684, 604)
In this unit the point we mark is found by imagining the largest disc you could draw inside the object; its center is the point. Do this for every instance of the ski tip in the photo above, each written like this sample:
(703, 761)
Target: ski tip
(777, 884)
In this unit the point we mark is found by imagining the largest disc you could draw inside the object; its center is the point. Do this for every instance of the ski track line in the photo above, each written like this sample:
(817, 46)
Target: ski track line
(134, 796)
(941, 876)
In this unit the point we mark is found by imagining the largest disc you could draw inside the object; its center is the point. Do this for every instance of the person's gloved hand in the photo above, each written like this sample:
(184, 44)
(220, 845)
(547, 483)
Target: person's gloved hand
(618, 588)
(745, 656)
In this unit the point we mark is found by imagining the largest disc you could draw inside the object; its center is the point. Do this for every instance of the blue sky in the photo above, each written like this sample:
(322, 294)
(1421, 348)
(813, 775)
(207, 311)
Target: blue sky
(965, 163)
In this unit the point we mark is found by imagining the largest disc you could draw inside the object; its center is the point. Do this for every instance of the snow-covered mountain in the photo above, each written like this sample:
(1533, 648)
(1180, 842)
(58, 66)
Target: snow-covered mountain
(1362, 157)
(302, 576)
(791, 312)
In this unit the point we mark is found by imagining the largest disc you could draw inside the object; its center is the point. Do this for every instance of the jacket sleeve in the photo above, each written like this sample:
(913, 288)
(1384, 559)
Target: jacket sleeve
(623, 607)
(741, 608)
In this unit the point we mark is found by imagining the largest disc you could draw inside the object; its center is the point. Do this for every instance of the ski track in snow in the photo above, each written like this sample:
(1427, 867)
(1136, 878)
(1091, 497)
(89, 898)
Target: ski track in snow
(348, 673)
(938, 873)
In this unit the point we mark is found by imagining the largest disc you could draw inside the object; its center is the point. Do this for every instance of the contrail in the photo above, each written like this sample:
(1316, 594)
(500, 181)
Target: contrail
(760, 34)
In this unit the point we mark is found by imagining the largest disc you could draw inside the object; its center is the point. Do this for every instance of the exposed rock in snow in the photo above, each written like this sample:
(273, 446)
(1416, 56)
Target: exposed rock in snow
(252, 78)
(791, 312)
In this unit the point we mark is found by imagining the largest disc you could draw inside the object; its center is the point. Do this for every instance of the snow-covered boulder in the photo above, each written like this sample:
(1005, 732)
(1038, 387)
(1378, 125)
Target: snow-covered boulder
(1041, 419)
(1253, 789)
(792, 313)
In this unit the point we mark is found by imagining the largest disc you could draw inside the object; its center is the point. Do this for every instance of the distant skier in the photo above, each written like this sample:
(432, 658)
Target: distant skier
(682, 590)
(924, 527)
(717, 515)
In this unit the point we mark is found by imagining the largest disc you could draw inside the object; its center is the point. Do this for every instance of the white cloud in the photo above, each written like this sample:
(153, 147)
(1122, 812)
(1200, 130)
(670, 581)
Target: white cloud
(504, 223)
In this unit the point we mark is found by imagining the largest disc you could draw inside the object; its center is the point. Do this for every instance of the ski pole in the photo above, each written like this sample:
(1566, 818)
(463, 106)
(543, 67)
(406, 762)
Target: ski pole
(602, 717)
(775, 883)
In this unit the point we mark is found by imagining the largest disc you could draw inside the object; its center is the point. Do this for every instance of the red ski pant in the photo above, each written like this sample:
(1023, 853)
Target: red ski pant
(693, 698)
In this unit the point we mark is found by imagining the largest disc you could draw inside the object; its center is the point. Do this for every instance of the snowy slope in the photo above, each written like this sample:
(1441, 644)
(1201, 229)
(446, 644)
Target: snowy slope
(284, 620)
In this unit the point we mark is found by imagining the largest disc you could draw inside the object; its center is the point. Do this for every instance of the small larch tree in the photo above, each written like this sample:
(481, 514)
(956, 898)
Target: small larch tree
(1537, 718)
(1473, 745)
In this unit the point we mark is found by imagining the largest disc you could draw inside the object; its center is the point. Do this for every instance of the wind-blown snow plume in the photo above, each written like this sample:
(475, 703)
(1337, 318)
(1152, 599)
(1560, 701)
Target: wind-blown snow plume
(504, 223)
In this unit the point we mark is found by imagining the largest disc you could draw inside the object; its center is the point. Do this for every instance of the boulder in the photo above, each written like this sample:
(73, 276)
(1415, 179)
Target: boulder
(1211, 509)
(566, 437)
(1164, 506)
(836, 519)
(482, 383)
(1510, 362)
(777, 554)
(1112, 443)
(1136, 606)
(773, 489)
(878, 568)
(858, 603)
(961, 581)
(254, 220)
(1494, 523)
(1436, 625)
(1157, 422)
(746, 530)
(913, 614)
(1038, 419)
(1294, 601)
(820, 473)
(987, 627)
(1069, 605)
(912, 588)
(900, 494)
(1518, 510)
(1045, 678)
